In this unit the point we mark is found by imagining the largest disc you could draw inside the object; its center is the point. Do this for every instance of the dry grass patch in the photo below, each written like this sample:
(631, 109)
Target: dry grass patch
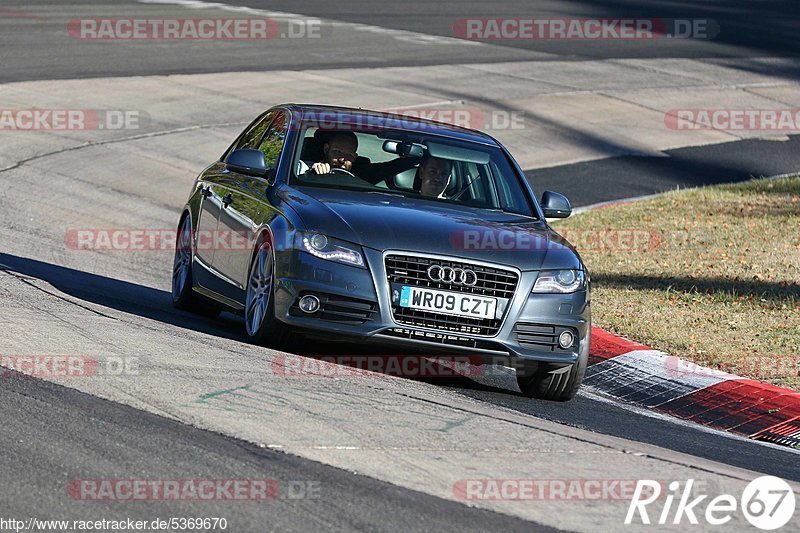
(711, 275)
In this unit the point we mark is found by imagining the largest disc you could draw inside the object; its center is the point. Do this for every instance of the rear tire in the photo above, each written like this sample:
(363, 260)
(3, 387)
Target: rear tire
(551, 381)
(183, 296)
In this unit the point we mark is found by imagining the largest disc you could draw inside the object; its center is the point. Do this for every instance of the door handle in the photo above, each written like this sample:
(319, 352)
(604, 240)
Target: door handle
(205, 191)
(228, 200)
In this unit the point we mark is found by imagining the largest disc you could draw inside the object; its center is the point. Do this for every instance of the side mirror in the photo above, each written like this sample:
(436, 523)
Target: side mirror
(247, 161)
(555, 205)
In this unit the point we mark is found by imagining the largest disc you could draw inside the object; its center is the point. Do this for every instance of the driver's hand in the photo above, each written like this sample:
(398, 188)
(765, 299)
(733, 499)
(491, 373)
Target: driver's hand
(344, 163)
(321, 168)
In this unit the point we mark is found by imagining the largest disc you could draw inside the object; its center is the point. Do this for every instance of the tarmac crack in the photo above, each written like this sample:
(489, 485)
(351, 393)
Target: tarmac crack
(26, 281)
(90, 144)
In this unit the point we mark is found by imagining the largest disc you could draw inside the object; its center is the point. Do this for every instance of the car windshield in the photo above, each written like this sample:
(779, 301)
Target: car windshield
(411, 164)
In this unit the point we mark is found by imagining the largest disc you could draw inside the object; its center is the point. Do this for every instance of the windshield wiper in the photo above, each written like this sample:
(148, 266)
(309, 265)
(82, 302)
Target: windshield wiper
(397, 194)
(499, 210)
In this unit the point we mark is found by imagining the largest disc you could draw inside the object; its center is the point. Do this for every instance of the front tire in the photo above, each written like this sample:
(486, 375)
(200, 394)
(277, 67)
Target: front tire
(550, 381)
(183, 296)
(259, 313)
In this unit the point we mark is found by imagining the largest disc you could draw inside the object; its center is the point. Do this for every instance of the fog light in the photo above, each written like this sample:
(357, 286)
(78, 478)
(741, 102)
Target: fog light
(566, 339)
(309, 304)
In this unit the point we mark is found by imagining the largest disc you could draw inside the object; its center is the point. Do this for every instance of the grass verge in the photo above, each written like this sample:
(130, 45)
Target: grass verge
(711, 275)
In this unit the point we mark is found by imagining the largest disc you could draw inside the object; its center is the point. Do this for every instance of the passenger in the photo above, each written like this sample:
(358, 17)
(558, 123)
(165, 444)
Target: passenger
(433, 176)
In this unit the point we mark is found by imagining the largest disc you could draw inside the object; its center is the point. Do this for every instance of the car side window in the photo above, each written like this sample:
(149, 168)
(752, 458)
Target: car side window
(475, 185)
(274, 137)
(253, 136)
(504, 193)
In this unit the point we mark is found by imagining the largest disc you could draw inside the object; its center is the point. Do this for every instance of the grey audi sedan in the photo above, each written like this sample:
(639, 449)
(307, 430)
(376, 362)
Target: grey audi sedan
(358, 225)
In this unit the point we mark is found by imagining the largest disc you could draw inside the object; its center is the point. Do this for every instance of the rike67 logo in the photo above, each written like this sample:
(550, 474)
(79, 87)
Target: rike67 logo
(767, 503)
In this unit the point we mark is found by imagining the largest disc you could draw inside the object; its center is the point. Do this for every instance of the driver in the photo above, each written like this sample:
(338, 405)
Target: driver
(338, 152)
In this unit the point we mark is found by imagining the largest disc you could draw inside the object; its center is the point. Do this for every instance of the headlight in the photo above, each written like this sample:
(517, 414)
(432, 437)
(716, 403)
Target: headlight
(559, 281)
(331, 249)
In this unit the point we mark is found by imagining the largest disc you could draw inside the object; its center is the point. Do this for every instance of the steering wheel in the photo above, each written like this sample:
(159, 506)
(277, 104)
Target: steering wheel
(343, 171)
(358, 182)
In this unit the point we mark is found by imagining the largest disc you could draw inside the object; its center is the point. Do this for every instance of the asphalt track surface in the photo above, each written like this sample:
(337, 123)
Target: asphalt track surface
(53, 433)
(31, 46)
(769, 30)
(43, 438)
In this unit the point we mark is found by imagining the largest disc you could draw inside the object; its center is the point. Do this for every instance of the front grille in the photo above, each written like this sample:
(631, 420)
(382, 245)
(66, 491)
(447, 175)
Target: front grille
(412, 271)
(541, 337)
(340, 309)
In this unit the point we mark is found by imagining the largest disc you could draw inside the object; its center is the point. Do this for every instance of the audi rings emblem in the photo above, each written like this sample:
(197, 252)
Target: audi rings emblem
(453, 276)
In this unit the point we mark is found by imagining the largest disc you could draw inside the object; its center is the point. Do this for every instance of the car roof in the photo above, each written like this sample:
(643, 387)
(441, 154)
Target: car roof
(366, 117)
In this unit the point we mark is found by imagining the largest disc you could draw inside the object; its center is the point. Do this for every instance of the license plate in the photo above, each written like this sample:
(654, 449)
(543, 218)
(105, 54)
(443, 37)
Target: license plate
(448, 303)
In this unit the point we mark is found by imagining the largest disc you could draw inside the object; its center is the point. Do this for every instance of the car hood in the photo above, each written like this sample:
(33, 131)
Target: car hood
(389, 222)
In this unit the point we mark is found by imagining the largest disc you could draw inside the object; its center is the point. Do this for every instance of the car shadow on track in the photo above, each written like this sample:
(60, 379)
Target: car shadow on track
(156, 304)
(764, 290)
(620, 177)
(124, 296)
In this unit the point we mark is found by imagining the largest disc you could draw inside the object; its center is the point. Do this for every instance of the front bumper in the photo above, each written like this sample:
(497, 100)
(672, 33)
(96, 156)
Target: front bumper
(359, 309)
